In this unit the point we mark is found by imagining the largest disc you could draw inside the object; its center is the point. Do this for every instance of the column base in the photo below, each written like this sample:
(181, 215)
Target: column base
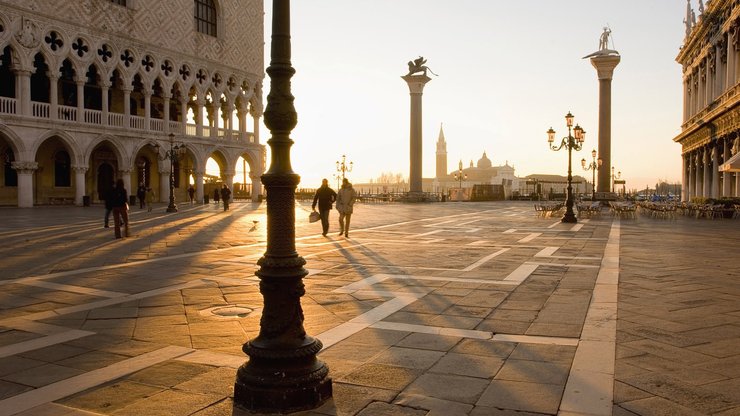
(570, 218)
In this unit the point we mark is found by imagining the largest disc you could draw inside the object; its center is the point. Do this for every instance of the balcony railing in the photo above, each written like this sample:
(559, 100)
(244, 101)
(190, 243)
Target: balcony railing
(9, 105)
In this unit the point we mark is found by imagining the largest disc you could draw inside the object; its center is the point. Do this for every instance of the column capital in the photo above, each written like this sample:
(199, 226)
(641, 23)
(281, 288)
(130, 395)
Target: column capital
(416, 83)
(24, 166)
(605, 65)
(79, 169)
(122, 172)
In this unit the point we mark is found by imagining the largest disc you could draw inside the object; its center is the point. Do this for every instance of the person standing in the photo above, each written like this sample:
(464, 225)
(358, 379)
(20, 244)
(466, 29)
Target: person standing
(345, 203)
(149, 198)
(216, 196)
(141, 195)
(108, 198)
(120, 208)
(225, 196)
(191, 194)
(324, 196)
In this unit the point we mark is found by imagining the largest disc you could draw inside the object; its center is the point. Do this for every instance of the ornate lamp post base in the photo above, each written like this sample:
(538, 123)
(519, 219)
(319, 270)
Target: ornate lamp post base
(569, 217)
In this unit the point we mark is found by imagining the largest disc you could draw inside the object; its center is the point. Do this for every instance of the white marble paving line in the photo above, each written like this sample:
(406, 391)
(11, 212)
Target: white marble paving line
(553, 225)
(576, 227)
(472, 230)
(437, 224)
(428, 219)
(521, 273)
(468, 222)
(548, 252)
(590, 386)
(529, 238)
(42, 342)
(76, 384)
(475, 334)
(574, 266)
(485, 260)
(535, 339)
(426, 234)
(74, 289)
(218, 359)
(509, 231)
(379, 278)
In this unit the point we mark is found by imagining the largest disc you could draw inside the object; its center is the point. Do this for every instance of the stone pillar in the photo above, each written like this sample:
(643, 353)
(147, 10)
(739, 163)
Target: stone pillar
(198, 186)
(229, 179)
(25, 171)
(714, 155)
(54, 94)
(164, 181)
(686, 100)
(23, 90)
(200, 106)
(692, 177)
(256, 186)
(256, 114)
(126, 176)
(184, 115)
(685, 177)
(605, 65)
(213, 117)
(79, 183)
(147, 108)
(105, 90)
(241, 115)
(707, 159)
(80, 82)
(731, 62)
(127, 107)
(726, 176)
(416, 89)
(699, 166)
(166, 113)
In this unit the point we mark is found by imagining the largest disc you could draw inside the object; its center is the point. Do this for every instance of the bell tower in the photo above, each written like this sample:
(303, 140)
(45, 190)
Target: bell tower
(441, 154)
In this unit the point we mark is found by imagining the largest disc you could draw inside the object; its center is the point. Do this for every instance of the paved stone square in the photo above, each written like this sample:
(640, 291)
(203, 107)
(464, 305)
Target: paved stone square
(426, 309)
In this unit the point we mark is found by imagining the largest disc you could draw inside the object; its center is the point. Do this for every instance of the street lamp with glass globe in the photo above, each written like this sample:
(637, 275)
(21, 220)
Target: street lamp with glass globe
(573, 141)
(459, 177)
(615, 176)
(176, 149)
(343, 167)
(595, 164)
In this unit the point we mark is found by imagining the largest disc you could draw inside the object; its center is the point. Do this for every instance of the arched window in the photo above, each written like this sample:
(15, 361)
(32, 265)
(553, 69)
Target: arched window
(205, 17)
(62, 169)
(11, 176)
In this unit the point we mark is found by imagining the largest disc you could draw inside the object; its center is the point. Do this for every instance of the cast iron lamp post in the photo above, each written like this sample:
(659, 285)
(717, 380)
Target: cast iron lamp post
(176, 149)
(573, 141)
(595, 164)
(617, 176)
(344, 167)
(459, 177)
(282, 374)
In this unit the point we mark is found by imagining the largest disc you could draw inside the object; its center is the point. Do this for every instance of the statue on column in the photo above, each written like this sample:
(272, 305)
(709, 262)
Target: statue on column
(417, 65)
(604, 39)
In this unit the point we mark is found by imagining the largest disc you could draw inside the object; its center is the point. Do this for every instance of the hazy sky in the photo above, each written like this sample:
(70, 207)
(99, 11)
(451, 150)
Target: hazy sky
(508, 71)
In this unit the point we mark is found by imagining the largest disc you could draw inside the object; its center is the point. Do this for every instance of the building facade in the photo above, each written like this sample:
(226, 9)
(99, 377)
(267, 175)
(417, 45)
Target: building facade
(710, 132)
(96, 90)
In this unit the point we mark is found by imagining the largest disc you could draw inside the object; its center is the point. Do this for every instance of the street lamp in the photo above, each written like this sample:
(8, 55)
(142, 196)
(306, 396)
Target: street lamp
(343, 167)
(460, 176)
(571, 143)
(176, 149)
(595, 164)
(617, 176)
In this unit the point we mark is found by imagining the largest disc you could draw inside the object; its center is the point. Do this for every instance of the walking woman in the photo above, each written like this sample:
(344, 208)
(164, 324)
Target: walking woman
(120, 208)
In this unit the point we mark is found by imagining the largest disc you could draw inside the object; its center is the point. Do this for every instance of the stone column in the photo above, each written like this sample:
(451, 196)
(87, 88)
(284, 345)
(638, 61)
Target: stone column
(699, 167)
(684, 178)
(23, 90)
(241, 115)
(25, 171)
(105, 90)
(80, 82)
(707, 188)
(726, 176)
(213, 117)
(184, 115)
(256, 186)
(605, 65)
(79, 183)
(198, 186)
(166, 113)
(126, 107)
(256, 114)
(164, 180)
(731, 74)
(126, 176)
(147, 108)
(686, 100)
(229, 179)
(714, 155)
(416, 89)
(692, 177)
(200, 106)
(53, 94)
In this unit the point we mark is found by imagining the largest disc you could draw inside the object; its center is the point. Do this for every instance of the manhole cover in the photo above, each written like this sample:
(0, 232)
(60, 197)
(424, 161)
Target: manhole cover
(232, 311)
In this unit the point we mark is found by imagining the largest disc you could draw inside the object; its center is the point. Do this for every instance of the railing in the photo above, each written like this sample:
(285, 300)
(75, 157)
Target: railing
(93, 116)
(41, 110)
(7, 105)
(190, 130)
(136, 122)
(156, 124)
(206, 131)
(115, 119)
(176, 127)
(65, 112)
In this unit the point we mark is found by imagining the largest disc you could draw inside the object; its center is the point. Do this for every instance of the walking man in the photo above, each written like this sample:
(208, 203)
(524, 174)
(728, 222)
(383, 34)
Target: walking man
(345, 201)
(324, 196)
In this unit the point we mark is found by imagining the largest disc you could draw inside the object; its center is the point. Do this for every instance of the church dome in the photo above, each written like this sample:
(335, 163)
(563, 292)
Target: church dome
(484, 162)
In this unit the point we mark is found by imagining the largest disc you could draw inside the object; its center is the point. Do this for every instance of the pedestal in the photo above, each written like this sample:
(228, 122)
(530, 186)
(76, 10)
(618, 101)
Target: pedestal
(416, 88)
(605, 65)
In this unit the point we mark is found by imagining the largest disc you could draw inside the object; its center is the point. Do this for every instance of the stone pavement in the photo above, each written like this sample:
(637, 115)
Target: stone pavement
(430, 309)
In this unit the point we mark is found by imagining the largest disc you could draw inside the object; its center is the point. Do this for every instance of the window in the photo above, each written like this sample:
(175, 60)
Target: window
(62, 169)
(205, 17)
(119, 2)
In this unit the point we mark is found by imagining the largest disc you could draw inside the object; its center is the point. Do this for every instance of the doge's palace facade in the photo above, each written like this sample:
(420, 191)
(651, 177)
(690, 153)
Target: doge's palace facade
(710, 133)
(95, 90)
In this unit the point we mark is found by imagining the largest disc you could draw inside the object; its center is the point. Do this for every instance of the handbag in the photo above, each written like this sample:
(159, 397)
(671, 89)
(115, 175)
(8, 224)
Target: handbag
(314, 216)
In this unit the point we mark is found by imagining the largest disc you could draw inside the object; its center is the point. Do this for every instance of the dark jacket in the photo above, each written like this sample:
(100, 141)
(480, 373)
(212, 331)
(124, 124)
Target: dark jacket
(108, 197)
(225, 194)
(120, 197)
(325, 196)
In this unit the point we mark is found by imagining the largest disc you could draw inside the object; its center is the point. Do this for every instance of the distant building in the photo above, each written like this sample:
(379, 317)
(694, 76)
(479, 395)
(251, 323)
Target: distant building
(710, 132)
(91, 90)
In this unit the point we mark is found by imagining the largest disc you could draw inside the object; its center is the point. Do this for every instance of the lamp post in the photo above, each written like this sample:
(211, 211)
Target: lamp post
(343, 167)
(175, 150)
(282, 374)
(595, 164)
(459, 177)
(573, 141)
(617, 176)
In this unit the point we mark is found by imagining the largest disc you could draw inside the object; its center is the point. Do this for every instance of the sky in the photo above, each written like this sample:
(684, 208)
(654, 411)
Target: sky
(508, 71)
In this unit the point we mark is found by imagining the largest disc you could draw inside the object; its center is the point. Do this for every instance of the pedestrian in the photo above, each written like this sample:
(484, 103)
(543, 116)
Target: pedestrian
(324, 196)
(141, 195)
(216, 196)
(345, 202)
(149, 198)
(108, 198)
(120, 208)
(191, 194)
(225, 196)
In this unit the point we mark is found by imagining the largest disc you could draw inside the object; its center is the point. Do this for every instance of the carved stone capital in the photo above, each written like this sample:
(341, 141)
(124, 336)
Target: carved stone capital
(24, 167)
(79, 169)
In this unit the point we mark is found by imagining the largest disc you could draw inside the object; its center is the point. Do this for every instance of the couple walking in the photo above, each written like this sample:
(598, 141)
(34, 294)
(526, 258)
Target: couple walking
(345, 200)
